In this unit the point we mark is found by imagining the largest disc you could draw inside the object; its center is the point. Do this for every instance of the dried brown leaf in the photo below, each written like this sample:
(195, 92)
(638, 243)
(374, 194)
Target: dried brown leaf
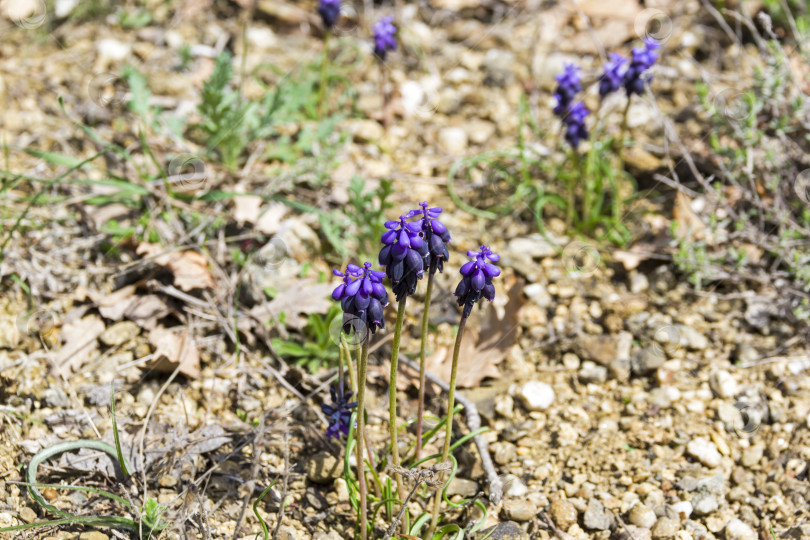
(483, 347)
(303, 298)
(80, 341)
(173, 348)
(190, 268)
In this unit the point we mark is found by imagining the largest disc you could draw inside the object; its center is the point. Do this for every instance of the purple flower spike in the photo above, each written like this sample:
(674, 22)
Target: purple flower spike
(476, 279)
(435, 234)
(568, 84)
(340, 413)
(329, 10)
(404, 256)
(613, 77)
(362, 297)
(575, 129)
(384, 37)
(642, 59)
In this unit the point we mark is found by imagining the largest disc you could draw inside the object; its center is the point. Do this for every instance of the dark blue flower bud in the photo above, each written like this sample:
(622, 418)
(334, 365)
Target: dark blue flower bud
(340, 413)
(384, 37)
(329, 10)
(476, 279)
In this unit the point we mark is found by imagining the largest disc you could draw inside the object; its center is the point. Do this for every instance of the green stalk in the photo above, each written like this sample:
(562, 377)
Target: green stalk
(324, 65)
(392, 395)
(451, 403)
(361, 429)
(422, 352)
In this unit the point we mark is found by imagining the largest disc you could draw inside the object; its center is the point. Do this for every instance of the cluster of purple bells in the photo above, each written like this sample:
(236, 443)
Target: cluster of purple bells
(410, 248)
(618, 72)
(384, 30)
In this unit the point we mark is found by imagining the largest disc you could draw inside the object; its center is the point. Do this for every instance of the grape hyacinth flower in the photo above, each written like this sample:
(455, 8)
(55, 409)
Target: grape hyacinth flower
(575, 129)
(568, 84)
(641, 60)
(435, 235)
(613, 76)
(476, 280)
(403, 256)
(340, 412)
(384, 37)
(362, 297)
(329, 10)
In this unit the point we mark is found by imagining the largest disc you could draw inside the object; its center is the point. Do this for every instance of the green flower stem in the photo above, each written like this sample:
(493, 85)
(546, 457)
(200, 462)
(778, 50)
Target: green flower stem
(324, 65)
(451, 403)
(361, 429)
(345, 352)
(579, 173)
(392, 395)
(422, 352)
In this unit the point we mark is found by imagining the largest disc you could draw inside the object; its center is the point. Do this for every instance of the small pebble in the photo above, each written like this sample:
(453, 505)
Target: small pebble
(595, 518)
(463, 487)
(520, 510)
(563, 513)
(752, 455)
(737, 530)
(323, 467)
(27, 515)
(642, 516)
(536, 396)
(704, 504)
(704, 451)
(683, 508)
(665, 527)
(591, 373)
(93, 535)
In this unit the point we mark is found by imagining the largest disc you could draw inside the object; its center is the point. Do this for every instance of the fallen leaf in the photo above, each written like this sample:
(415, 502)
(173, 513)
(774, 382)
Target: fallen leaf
(190, 268)
(484, 346)
(144, 310)
(246, 208)
(690, 226)
(173, 348)
(303, 298)
(80, 341)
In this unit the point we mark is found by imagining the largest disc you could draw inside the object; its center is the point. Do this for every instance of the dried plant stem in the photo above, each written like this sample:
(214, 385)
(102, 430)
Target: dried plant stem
(451, 403)
(422, 353)
(360, 437)
(324, 65)
(392, 395)
(386, 112)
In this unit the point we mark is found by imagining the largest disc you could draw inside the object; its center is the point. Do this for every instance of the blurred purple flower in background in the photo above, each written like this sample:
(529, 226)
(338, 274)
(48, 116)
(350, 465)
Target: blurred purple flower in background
(575, 130)
(329, 10)
(384, 37)
(613, 76)
(641, 60)
(568, 84)
(340, 413)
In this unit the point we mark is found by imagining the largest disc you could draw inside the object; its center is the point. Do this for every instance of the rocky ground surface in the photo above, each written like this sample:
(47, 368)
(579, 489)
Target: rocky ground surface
(621, 401)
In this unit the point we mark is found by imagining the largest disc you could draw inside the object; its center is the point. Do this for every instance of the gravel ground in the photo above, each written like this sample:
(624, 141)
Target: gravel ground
(621, 402)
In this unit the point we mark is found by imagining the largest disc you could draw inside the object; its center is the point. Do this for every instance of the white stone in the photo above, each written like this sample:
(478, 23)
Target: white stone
(683, 507)
(261, 37)
(737, 530)
(453, 140)
(412, 96)
(112, 49)
(537, 396)
(704, 451)
(723, 384)
(62, 8)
